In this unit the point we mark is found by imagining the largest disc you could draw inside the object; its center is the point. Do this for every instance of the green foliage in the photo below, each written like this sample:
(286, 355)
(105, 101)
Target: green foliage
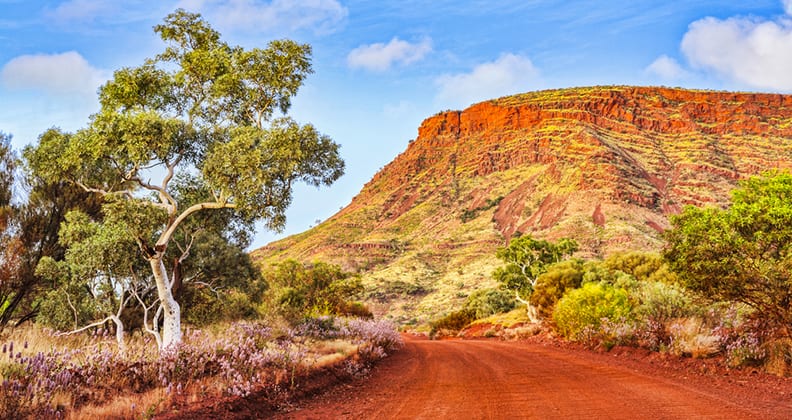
(453, 322)
(741, 253)
(10, 247)
(486, 302)
(661, 302)
(552, 284)
(207, 306)
(201, 116)
(582, 311)
(312, 290)
(526, 258)
(36, 223)
(220, 281)
(643, 266)
(480, 304)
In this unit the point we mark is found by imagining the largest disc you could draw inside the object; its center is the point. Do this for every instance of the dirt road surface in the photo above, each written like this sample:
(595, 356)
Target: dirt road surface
(487, 379)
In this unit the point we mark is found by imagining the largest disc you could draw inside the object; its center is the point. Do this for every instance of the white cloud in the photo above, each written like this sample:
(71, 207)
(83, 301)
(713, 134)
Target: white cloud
(507, 75)
(667, 68)
(753, 52)
(380, 57)
(257, 16)
(79, 10)
(787, 6)
(66, 73)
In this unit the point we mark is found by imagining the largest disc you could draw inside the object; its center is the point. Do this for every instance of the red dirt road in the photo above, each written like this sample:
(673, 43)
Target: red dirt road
(493, 379)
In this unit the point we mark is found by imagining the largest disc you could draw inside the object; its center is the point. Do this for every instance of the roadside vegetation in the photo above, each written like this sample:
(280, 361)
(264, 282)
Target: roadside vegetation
(721, 286)
(125, 287)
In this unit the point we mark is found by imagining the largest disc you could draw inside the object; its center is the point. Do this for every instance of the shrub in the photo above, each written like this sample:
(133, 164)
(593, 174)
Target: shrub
(312, 290)
(779, 356)
(579, 315)
(745, 350)
(691, 337)
(483, 303)
(740, 253)
(454, 321)
(551, 286)
(208, 306)
(662, 302)
(643, 266)
(354, 309)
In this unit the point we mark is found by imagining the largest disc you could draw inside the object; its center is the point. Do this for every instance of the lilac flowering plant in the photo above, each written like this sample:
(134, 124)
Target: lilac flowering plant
(246, 357)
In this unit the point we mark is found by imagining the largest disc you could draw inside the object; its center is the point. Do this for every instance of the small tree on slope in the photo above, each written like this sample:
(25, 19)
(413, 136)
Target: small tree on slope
(201, 107)
(525, 259)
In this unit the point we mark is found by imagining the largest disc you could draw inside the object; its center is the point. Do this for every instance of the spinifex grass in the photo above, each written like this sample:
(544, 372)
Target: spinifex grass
(75, 374)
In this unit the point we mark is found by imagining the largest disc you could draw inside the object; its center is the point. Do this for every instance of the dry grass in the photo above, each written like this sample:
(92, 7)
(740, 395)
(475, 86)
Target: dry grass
(690, 337)
(331, 352)
(114, 397)
(126, 407)
(507, 319)
(522, 332)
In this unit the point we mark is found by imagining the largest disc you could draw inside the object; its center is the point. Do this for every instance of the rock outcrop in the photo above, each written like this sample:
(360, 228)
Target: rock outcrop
(603, 165)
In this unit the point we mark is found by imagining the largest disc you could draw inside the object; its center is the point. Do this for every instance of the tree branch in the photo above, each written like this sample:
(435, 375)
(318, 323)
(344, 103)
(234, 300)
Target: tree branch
(153, 329)
(166, 236)
(74, 310)
(95, 324)
(186, 250)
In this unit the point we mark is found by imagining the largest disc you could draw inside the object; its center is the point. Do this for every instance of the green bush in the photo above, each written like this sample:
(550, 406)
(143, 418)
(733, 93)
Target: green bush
(354, 309)
(299, 290)
(662, 302)
(551, 286)
(483, 303)
(207, 306)
(639, 264)
(580, 313)
(57, 310)
(454, 321)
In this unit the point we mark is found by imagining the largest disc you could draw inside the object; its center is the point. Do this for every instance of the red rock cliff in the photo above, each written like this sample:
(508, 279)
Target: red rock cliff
(604, 165)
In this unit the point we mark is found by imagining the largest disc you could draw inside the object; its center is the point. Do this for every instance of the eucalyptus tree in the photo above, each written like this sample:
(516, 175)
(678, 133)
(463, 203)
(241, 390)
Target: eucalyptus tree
(29, 232)
(742, 253)
(203, 108)
(524, 260)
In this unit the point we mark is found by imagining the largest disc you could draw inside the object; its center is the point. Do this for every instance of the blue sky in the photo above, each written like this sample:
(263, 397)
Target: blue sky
(381, 67)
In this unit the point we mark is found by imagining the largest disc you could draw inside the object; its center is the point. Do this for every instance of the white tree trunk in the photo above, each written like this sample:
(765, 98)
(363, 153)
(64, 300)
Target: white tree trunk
(171, 313)
(120, 333)
(533, 314)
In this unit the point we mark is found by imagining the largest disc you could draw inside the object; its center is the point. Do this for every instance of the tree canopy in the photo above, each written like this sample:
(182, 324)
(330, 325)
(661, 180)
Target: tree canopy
(201, 110)
(526, 258)
(742, 253)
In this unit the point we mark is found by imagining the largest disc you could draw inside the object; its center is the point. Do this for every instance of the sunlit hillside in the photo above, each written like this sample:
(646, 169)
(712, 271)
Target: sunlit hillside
(603, 165)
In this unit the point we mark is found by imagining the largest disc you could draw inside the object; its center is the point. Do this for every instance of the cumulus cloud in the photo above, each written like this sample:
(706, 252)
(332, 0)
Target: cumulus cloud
(66, 73)
(667, 68)
(262, 16)
(750, 51)
(380, 57)
(509, 74)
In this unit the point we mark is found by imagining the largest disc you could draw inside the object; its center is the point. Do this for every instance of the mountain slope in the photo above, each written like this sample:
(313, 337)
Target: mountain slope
(603, 165)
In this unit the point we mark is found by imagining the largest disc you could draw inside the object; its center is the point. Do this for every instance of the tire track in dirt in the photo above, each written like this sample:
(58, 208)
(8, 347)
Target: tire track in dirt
(491, 379)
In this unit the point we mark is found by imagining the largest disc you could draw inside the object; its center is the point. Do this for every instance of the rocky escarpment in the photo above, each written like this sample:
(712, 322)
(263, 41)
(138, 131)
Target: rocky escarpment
(604, 165)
